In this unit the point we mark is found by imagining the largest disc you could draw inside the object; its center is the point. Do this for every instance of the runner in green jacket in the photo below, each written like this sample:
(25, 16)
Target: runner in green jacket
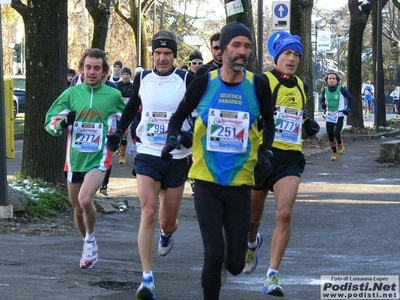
(88, 112)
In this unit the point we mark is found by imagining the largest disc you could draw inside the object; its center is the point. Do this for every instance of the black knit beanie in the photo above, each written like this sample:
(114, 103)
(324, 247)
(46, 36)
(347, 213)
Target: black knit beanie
(195, 54)
(231, 30)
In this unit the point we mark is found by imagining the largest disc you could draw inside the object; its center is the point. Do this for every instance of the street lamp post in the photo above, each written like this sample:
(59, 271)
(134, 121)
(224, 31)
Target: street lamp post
(338, 52)
(316, 50)
(378, 65)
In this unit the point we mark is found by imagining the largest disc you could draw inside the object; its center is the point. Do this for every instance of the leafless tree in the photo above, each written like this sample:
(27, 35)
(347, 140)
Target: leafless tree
(46, 68)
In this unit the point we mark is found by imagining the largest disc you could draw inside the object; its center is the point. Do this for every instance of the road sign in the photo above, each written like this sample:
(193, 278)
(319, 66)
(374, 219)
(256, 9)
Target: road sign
(281, 15)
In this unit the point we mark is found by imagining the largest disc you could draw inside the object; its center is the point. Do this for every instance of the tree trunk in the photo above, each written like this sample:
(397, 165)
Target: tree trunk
(247, 19)
(100, 13)
(46, 27)
(379, 95)
(358, 21)
(146, 61)
(300, 24)
(131, 19)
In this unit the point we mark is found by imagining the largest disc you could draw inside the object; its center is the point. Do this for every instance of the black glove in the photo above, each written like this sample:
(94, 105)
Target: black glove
(264, 157)
(172, 143)
(113, 140)
(346, 111)
(263, 166)
(186, 139)
(311, 127)
(69, 120)
(323, 106)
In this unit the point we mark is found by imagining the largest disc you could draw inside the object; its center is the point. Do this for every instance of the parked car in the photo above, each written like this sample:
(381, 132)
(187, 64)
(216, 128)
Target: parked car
(16, 106)
(19, 91)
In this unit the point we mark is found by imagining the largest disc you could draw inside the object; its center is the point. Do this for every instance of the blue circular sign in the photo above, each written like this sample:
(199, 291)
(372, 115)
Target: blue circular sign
(281, 10)
(270, 42)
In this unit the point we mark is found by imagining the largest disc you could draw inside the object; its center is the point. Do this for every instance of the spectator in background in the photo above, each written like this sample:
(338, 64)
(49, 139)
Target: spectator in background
(395, 95)
(216, 53)
(135, 122)
(368, 96)
(70, 75)
(195, 61)
(116, 73)
(78, 79)
(125, 86)
(104, 186)
(185, 68)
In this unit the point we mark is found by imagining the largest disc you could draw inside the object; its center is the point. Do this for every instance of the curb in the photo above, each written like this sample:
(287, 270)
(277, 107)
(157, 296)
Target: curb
(311, 151)
(371, 137)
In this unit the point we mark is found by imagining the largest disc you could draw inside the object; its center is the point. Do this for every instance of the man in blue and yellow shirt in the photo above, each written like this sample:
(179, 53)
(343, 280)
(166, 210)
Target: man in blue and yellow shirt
(226, 144)
(287, 164)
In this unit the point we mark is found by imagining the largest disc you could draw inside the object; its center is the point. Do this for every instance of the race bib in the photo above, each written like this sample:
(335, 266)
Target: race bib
(288, 123)
(87, 136)
(332, 116)
(227, 131)
(156, 126)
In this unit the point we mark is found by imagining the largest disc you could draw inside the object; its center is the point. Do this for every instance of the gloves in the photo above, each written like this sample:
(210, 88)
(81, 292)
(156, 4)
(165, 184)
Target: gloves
(186, 139)
(311, 127)
(264, 157)
(113, 140)
(172, 143)
(69, 120)
(263, 166)
(346, 111)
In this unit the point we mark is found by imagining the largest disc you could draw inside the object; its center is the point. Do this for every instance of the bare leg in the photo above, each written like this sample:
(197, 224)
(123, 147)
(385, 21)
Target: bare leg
(285, 193)
(257, 210)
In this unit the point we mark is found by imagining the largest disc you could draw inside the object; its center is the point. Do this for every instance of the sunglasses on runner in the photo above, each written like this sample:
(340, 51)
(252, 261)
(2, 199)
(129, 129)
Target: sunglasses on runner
(196, 62)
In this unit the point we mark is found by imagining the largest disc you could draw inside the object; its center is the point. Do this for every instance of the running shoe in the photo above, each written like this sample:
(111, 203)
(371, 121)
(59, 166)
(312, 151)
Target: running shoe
(273, 285)
(89, 255)
(251, 256)
(103, 193)
(146, 290)
(341, 148)
(122, 160)
(335, 157)
(165, 244)
(191, 187)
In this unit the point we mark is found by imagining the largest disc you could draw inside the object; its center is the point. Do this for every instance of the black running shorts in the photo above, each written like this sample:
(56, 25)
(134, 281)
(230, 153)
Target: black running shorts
(170, 174)
(284, 163)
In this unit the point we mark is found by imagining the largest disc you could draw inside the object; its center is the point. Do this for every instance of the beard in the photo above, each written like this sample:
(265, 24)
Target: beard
(235, 66)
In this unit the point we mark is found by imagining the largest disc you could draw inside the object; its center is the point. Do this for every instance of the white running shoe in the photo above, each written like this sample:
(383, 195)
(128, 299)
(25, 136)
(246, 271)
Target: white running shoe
(273, 285)
(251, 256)
(89, 255)
(165, 244)
(146, 290)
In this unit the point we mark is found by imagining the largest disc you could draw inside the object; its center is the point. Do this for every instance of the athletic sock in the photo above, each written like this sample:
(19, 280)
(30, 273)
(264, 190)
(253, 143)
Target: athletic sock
(271, 271)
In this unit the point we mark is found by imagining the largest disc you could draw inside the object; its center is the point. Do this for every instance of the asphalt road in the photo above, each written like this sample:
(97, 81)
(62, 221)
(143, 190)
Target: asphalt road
(345, 222)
